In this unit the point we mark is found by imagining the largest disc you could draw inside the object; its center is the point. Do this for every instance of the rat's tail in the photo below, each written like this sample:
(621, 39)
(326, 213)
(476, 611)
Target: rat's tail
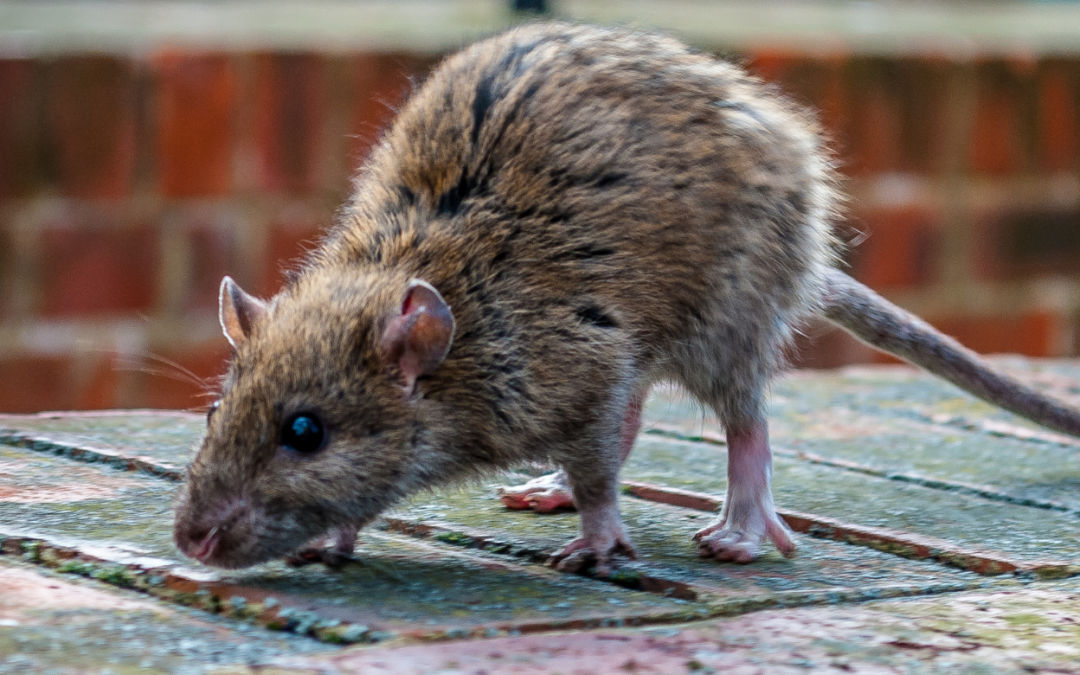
(883, 325)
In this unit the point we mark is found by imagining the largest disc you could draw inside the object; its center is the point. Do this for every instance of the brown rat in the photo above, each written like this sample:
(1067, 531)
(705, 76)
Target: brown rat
(560, 217)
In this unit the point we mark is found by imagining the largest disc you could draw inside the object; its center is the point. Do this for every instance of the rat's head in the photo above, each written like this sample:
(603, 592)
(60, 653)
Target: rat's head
(318, 421)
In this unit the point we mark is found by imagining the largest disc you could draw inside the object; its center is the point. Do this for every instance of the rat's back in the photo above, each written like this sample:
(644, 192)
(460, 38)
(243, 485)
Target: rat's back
(582, 160)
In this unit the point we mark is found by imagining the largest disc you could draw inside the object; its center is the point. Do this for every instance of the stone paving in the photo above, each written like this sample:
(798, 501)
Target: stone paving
(939, 535)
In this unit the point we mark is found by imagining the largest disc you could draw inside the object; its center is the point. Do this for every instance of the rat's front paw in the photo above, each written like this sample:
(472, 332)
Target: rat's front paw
(583, 552)
(333, 549)
(741, 540)
(545, 494)
(327, 555)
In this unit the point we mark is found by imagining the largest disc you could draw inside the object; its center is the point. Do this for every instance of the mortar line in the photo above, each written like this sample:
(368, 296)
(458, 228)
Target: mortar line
(971, 489)
(81, 453)
(632, 575)
(171, 582)
(896, 542)
(879, 538)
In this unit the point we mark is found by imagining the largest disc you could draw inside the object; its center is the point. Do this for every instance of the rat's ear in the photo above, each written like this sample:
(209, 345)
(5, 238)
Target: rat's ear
(418, 337)
(238, 312)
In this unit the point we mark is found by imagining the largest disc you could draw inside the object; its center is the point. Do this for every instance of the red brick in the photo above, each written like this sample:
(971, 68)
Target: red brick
(91, 115)
(817, 83)
(1031, 334)
(33, 383)
(1057, 118)
(20, 128)
(289, 241)
(771, 65)
(214, 253)
(875, 143)
(89, 270)
(897, 116)
(98, 388)
(1001, 130)
(900, 249)
(833, 105)
(8, 270)
(291, 102)
(191, 383)
(196, 107)
(380, 83)
(1027, 242)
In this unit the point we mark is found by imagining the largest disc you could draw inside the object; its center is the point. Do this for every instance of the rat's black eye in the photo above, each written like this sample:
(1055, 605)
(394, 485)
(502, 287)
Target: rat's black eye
(303, 433)
(212, 410)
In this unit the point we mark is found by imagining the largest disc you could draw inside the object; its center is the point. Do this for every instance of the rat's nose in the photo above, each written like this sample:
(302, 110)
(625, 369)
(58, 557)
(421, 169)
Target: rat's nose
(206, 546)
(198, 542)
(199, 535)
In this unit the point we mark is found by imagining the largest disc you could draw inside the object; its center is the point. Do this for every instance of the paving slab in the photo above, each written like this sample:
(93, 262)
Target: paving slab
(908, 426)
(883, 457)
(1011, 631)
(824, 571)
(1027, 534)
(157, 441)
(116, 525)
(51, 623)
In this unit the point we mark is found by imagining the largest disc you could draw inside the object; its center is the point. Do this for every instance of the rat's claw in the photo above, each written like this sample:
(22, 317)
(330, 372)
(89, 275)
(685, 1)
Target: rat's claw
(333, 549)
(544, 494)
(743, 544)
(726, 544)
(581, 554)
(331, 557)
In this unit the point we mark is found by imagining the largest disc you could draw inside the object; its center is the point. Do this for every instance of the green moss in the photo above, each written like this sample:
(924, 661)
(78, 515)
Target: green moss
(79, 567)
(117, 575)
(455, 539)
(31, 550)
(626, 578)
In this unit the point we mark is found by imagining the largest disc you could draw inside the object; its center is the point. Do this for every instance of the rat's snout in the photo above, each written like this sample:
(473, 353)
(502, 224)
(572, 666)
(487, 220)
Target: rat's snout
(217, 532)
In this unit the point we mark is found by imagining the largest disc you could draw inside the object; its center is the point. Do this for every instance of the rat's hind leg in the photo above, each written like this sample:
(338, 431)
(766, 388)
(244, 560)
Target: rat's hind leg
(732, 382)
(552, 492)
(748, 516)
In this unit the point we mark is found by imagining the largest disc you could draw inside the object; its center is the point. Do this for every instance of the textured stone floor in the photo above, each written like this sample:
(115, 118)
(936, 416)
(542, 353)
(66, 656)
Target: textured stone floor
(938, 535)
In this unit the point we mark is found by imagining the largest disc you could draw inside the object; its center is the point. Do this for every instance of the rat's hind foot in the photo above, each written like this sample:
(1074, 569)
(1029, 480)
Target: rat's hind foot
(741, 541)
(583, 552)
(544, 494)
(333, 549)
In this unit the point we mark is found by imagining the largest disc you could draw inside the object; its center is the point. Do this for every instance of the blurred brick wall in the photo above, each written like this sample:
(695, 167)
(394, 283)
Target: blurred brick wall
(130, 185)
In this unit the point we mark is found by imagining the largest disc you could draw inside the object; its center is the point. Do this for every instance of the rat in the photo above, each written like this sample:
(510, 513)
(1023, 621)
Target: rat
(558, 218)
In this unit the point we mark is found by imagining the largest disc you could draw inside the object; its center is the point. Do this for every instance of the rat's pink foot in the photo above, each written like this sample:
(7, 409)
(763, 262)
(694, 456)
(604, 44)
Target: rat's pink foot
(544, 494)
(741, 540)
(333, 549)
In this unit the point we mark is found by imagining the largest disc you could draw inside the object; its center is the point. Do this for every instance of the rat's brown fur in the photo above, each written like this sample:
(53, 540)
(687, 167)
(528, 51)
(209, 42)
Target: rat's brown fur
(600, 209)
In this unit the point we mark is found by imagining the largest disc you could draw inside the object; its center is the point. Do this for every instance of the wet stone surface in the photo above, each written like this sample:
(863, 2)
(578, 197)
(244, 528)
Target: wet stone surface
(165, 437)
(1025, 533)
(663, 536)
(398, 584)
(1034, 629)
(51, 623)
(86, 507)
(883, 419)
